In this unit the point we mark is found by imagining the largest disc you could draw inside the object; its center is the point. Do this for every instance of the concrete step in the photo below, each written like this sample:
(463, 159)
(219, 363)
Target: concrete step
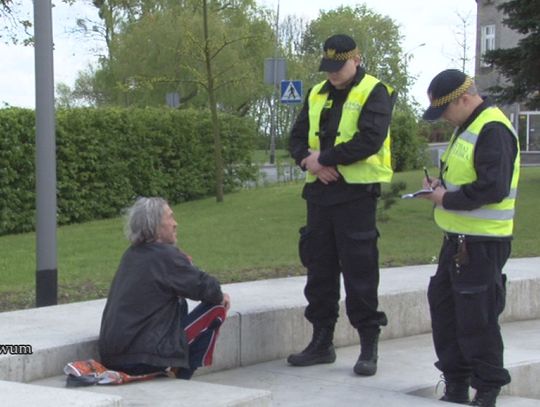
(406, 375)
(20, 394)
(161, 392)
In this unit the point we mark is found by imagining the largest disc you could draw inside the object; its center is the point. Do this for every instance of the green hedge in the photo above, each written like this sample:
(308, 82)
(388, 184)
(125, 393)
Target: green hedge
(107, 157)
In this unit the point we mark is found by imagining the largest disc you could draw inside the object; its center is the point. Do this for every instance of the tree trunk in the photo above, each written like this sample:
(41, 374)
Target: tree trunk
(218, 157)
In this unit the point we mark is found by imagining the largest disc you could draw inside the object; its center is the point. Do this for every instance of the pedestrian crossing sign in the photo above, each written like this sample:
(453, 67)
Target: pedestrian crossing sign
(291, 91)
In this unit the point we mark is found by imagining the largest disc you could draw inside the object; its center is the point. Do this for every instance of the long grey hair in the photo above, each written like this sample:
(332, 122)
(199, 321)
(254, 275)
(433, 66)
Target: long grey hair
(143, 220)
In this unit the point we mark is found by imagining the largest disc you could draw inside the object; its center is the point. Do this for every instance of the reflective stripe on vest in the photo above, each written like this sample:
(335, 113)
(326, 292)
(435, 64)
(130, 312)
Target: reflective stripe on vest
(495, 219)
(375, 168)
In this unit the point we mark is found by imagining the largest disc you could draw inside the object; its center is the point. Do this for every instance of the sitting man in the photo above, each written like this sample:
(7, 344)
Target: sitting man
(146, 327)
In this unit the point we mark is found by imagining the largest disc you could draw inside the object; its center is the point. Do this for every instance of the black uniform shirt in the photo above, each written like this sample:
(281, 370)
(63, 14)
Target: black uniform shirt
(373, 126)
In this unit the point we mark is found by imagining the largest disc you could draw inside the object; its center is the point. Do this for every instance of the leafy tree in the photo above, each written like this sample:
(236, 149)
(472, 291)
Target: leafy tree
(157, 50)
(64, 96)
(217, 43)
(112, 14)
(5, 4)
(91, 88)
(12, 19)
(408, 148)
(521, 64)
(378, 39)
(208, 51)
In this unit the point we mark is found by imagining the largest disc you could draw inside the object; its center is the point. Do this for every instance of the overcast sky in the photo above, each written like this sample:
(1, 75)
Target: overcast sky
(433, 23)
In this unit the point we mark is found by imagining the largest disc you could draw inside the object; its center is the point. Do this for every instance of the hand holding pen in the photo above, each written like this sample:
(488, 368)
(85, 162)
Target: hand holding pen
(426, 173)
(435, 185)
(429, 182)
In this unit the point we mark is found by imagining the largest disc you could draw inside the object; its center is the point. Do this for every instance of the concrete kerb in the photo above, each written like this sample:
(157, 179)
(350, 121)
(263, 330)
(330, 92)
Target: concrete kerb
(265, 323)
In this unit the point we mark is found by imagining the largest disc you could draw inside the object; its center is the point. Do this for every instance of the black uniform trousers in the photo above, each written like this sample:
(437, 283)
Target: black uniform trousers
(465, 303)
(342, 238)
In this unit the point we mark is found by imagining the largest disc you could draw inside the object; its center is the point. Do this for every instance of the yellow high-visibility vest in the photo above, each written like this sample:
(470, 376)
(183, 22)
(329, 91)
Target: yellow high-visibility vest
(495, 219)
(375, 168)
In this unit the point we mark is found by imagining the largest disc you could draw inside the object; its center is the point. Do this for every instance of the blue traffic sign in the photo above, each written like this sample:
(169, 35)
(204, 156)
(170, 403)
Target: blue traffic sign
(291, 91)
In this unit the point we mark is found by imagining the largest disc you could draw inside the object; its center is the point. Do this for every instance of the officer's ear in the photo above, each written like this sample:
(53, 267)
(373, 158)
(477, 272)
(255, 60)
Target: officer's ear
(357, 60)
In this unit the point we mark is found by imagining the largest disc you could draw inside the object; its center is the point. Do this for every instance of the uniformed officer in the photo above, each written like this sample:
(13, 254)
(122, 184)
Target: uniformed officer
(474, 201)
(341, 139)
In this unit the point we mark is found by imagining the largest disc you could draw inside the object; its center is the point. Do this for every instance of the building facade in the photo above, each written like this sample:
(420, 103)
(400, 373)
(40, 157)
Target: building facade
(491, 33)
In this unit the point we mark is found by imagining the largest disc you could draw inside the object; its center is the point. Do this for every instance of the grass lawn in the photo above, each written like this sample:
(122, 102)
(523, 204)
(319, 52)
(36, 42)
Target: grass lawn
(252, 235)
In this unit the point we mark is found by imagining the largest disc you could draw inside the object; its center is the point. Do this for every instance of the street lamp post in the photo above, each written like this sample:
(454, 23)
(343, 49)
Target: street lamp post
(46, 262)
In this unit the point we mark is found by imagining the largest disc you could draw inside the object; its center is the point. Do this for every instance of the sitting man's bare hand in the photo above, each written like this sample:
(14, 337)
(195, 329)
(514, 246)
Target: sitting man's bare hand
(226, 301)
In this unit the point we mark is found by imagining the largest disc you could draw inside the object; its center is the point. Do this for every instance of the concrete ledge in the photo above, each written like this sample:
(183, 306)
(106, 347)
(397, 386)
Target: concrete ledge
(19, 394)
(265, 323)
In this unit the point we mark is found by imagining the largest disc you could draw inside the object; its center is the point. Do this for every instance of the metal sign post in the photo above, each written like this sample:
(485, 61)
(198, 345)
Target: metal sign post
(275, 70)
(172, 99)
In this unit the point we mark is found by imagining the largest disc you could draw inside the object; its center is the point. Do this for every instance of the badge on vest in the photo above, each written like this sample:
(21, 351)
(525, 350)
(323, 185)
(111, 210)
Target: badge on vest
(352, 106)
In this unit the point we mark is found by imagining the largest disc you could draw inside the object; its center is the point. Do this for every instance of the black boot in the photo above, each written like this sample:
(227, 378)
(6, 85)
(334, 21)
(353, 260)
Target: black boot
(485, 398)
(456, 392)
(366, 365)
(319, 350)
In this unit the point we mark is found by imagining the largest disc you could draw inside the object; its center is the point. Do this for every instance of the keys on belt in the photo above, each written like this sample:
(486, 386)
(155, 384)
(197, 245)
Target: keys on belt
(461, 258)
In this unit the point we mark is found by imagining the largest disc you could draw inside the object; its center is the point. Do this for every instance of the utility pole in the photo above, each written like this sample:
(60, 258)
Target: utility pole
(46, 261)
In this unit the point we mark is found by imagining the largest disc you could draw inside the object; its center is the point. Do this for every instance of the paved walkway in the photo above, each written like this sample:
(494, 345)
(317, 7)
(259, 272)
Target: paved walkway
(405, 372)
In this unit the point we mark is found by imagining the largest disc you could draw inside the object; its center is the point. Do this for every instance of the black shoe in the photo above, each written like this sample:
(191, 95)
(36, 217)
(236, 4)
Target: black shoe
(366, 365)
(456, 392)
(485, 398)
(320, 349)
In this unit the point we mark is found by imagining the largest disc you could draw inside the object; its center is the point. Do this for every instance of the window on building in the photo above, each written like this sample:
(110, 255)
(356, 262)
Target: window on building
(487, 40)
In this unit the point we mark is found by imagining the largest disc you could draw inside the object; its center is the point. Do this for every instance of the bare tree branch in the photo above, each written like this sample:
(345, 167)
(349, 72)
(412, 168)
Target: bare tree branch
(227, 43)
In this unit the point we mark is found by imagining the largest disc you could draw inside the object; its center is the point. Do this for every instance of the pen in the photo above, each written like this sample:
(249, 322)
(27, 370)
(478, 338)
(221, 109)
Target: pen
(427, 175)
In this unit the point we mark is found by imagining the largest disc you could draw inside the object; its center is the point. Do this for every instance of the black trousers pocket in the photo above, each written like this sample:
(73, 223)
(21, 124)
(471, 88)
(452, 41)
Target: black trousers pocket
(472, 307)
